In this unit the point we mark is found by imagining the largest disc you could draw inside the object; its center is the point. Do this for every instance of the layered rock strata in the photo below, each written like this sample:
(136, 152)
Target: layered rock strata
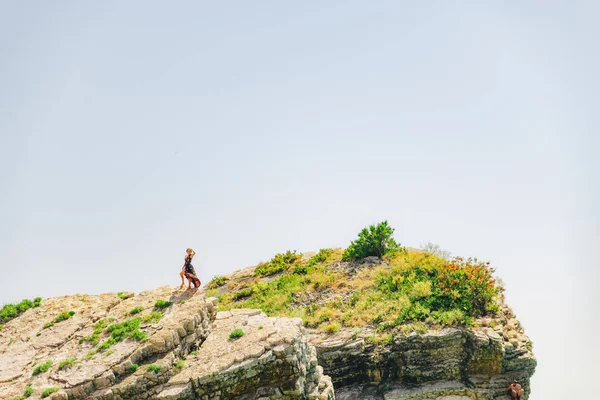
(272, 360)
(474, 363)
(183, 351)
(73, 358)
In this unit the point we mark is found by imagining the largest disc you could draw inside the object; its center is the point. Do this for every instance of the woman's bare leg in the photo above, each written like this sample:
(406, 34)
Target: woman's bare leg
(181, 274)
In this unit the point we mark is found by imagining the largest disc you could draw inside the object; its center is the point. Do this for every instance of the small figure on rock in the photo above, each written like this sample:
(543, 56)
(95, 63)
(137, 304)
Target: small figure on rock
(188, 270)
(515, 390)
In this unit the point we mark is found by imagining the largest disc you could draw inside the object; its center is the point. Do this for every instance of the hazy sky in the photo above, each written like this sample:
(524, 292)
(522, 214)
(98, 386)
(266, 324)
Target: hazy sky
(130, 131)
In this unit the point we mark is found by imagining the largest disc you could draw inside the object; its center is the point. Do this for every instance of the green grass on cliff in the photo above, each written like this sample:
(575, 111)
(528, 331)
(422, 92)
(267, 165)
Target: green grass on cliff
(10, 311)
(413, 290)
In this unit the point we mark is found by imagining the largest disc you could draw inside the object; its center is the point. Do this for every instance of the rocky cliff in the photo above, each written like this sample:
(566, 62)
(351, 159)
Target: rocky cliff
(161, 344)
(171, 343)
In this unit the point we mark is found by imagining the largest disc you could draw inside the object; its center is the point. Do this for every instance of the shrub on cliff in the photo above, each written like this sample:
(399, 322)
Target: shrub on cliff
(63, 316)
(162, 304)
(10, 311)
(376, 240)
(49, 391)
(236, 333)
(281, 262)
(42, 368)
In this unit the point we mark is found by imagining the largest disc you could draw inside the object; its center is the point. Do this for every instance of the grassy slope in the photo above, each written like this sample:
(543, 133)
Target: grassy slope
(410, 291)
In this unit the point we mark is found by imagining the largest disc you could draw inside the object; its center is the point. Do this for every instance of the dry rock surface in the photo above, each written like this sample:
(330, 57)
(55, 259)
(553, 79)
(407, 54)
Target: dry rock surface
(272, 360)
(182, 350)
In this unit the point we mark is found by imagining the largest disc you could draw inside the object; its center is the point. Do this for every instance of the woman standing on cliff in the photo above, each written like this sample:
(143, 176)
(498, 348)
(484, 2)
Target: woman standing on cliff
(188, 270)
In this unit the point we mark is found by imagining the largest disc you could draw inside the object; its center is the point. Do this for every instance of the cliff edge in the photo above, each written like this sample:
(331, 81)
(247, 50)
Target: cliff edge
(407, 326)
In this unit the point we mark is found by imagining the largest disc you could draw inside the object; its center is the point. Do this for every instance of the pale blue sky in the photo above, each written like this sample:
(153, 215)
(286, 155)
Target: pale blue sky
(130, 131)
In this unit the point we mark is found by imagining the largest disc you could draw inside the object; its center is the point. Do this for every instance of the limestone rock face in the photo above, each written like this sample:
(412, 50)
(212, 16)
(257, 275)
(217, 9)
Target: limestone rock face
(451, 363)
(272, 360)
(115, 347)
(178, 351)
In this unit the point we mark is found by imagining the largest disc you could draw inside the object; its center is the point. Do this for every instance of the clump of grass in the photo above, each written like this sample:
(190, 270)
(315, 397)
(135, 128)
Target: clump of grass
(42, 368)
(380, 340)
(122, 295)
(10, 311)
(333, 327)
(98, 328)
(68, 363)
(152, 317)
(242, 294)
(49, 391)
(63, 316)
(236, 333)
(154, 368)
(123, 330)
(180, 364)
(275, 298)
(260, 327)
(162, 304)
(217, 281)
(136, 310)
(280, 262)
(134, 367)
(28, 391)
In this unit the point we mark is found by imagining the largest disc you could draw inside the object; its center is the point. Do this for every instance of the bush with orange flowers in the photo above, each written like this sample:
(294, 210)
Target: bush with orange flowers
(467, 285)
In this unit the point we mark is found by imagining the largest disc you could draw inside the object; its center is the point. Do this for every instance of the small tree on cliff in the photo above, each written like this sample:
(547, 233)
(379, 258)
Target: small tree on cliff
(376, 240)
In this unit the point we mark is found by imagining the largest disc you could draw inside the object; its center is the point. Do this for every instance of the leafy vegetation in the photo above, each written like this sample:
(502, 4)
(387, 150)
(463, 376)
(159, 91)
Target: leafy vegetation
(134, 367)
(122, 295)
(136, 310)
(376, 240)
(236, 333)
(411, 291)
(162, 304)
(217, 281)
(11, 311)
(98, 328)
(281, 262)
(333, 327)
(68, 363)
(123, 330)
(28, 391)
(242, 293)
(276, 298)
(321, 257)
(49, 391)
(42, 368)
(180, 364)
(154, 368)
(152, 317)
(63, 316)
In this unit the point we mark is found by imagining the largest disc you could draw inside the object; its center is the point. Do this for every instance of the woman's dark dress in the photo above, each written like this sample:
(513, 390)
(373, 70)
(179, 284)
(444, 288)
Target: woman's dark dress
(189, 269)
